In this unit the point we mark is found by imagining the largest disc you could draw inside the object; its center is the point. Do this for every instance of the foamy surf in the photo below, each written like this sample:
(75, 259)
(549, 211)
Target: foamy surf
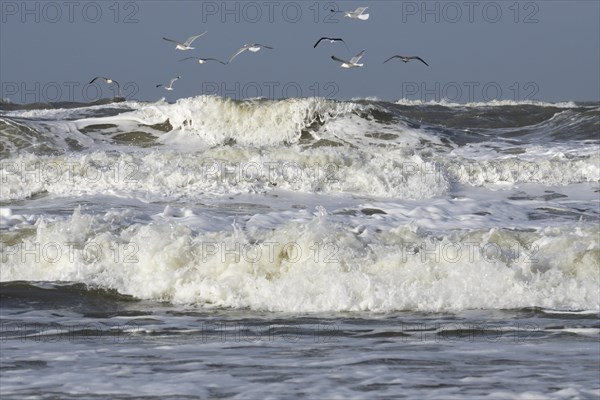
(207, 144)
(215, 120)
(319, 263)
(396, 186)
(491, 103)
(267, 233)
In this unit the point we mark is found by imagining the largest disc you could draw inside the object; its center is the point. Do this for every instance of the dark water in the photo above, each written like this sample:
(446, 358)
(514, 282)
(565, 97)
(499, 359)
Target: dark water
(69, 341)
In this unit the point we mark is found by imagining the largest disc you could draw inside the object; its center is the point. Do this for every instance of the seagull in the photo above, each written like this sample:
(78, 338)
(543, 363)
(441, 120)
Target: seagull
(170, 87)
(252, 47)
(331, 40)
(203, 60)
(353, 61)
(185, 45)
(356, 14)
(107, 80)
(407, 59)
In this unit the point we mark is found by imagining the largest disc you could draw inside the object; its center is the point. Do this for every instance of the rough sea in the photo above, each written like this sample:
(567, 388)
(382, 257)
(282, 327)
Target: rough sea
(300, 248)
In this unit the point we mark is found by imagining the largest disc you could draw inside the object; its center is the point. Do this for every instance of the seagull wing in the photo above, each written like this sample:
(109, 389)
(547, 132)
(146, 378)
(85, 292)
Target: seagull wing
(171, 40)
(340, 60)
(319, 41)
(192, 38)
(173, 80)
(357, 57)
(105, 79)
(237, 53)
(159, 85)
(419, 58)
(187, 58)
(391, 58)
(360, 10)
(214, 59)
(262, 45)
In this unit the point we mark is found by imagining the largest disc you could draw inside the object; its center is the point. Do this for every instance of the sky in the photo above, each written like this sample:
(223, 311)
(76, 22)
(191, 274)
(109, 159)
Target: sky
(477, 50)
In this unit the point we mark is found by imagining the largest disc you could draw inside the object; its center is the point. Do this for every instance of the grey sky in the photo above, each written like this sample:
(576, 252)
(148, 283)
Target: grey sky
(544, 50)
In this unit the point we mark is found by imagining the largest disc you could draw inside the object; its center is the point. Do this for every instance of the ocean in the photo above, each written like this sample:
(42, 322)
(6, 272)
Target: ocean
(300, 248)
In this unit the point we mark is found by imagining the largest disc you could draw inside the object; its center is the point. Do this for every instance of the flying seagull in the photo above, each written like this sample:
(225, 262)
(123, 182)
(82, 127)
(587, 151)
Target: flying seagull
(185, 45)
(170, 87)
(107, 80)
(356, 14)
(331, 40)
(407, 59)
(353, 61)
(203, 60)
(252, 47)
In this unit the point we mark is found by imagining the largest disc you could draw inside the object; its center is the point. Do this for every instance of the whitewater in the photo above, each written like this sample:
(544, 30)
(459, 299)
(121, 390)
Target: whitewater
(387, 226)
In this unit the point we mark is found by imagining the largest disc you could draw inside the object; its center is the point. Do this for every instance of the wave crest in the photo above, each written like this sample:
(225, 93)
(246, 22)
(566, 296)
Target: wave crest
(215, 120)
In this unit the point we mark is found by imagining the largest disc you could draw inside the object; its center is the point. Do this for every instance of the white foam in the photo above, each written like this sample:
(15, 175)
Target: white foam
(370, 171)
(64, 113)
(10, 220)
(492, 103)
(478, 166)
(328, 267)
(221, 171)
(213, 120)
